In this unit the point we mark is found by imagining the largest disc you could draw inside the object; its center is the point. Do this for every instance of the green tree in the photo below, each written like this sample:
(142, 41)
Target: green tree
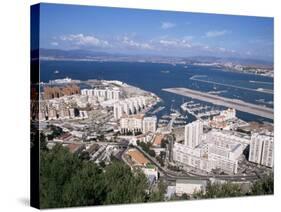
(85, 187)
(56, 167)
(43, 142)
(84, 155)
(159, 194)
(263, 186)
(123, 186)
(219, 190)
(67, 180)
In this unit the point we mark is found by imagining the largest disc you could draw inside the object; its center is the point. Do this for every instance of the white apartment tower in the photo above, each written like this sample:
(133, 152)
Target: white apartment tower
(261, 150)
(256, 148)
(149, 124)
(193, 134)
(267, 153)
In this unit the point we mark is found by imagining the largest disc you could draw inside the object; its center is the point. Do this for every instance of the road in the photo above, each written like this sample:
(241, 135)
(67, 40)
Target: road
(223, 101)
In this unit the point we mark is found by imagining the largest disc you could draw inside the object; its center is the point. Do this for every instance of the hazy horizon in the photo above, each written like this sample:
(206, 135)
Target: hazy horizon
(153, 32)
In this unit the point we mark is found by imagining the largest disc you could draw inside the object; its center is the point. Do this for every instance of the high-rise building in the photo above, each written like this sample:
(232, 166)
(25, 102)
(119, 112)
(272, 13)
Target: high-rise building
(117, 111)
(256, 148)
(261, 149)
(267, 153)
(149, 124)
(52, 113)
(131, 123)
(193, 134)
(102, 94)
(64, 112)
(128, 106)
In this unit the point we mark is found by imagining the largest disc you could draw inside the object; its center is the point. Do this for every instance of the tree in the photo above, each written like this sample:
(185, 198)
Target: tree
(84, 155)
(85, 187)
(263, 186)
(43, 143)
(151, 152)
(122, 186)
(159, 194)
(164, 143)
(219, 190)
(68, 180)
(56, 168)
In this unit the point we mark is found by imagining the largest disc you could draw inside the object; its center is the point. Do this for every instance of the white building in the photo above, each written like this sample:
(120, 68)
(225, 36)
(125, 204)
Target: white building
(267, 153)
(193, 134)
(64, 112)
(102, 94)
(256, 148)
(149, 124)
(150, 171)
(129, 106)
(131, 123)
(83, 114)
(206, 162)
(228, 114)
(230, 147)
(52, 113)
(117, 111)
(138, 123)
(72, 112)
(215, 151)
(261, 150)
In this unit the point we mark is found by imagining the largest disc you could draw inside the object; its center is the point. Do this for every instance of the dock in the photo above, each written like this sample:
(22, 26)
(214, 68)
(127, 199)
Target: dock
(223, 101)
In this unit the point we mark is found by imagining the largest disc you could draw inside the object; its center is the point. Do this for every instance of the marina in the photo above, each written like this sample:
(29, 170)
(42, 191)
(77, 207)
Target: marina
(199, 111)
(226, 102)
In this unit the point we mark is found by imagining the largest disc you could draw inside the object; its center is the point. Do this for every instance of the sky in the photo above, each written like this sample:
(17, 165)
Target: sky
(152, 32)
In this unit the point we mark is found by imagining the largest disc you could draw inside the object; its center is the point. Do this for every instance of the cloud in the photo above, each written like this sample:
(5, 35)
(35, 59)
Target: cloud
(175, 43)
(167, 25)
(166, 44)
(54, 43)
(216, 33)
(188, 37)
(222, 49)
(85, 40)
(248, 53)
(128, 42)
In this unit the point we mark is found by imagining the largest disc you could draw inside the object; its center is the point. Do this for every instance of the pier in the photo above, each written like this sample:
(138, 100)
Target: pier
(223, 101)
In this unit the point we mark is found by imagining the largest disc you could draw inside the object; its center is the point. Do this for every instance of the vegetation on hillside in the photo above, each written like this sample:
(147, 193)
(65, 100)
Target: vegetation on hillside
(67, 180)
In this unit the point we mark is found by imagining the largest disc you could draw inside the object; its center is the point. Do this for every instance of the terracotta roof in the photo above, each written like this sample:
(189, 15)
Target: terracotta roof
(158, 138)
(73, 147)
(138, 157)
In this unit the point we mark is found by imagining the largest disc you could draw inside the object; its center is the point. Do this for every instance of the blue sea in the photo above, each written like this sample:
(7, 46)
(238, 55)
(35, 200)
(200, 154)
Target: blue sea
(154, 77)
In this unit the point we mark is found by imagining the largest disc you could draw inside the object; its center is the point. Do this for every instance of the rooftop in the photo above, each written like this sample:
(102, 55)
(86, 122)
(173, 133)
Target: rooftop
(138, 157)
(157, 140)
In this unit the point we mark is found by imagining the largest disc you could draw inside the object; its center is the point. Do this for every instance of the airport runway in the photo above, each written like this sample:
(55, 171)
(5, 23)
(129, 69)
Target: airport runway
(223, 101)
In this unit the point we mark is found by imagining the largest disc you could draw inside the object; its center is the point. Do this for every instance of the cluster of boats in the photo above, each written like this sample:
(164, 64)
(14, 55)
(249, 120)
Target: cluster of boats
(199, 110)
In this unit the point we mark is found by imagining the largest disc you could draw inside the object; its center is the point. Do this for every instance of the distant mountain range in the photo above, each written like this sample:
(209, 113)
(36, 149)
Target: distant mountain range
(79, 54)
(242, 61)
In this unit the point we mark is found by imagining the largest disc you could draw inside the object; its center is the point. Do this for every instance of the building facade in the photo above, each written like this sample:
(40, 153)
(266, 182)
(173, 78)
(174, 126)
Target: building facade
(149, 124)
(193, 134)
(261, 150)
